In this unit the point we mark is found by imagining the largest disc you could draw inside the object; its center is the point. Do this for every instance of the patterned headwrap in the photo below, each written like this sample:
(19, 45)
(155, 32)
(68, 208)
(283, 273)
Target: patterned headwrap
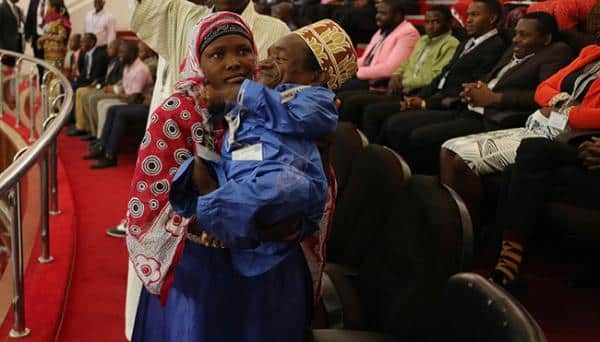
(205, 32)
(333, 49)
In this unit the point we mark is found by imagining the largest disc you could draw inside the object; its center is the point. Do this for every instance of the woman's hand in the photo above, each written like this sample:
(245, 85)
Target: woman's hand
(216, 98)
(546, 111)
(589, 153)
(203, 181)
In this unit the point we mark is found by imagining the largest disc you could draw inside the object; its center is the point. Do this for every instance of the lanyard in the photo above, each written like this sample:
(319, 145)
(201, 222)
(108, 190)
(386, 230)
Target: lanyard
(582, 82)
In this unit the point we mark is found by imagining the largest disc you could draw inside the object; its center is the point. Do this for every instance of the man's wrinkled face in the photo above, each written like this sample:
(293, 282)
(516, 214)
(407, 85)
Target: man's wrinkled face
(286, 63)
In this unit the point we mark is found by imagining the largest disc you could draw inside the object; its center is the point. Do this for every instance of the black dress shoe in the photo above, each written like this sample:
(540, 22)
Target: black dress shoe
(103, 163)
(94, 154)
(87, 137)
(72, 132)
(94, 145)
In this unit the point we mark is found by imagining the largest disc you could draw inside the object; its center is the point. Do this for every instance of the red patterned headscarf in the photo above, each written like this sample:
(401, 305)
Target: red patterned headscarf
(208, 29)
(178, 129)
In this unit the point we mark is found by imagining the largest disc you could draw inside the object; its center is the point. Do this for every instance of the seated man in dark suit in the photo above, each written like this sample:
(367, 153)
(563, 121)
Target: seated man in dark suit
(92, 65)
(471, 61)
(502, 99)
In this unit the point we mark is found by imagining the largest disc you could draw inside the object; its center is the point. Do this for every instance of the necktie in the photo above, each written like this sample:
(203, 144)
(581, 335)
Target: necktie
(371, 54)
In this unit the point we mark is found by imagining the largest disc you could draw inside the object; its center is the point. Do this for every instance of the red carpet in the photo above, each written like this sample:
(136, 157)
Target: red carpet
(96, 302)
(46, 284)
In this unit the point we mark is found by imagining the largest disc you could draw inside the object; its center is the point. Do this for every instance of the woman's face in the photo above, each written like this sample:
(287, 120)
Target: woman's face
(228, 60)
(51, 10)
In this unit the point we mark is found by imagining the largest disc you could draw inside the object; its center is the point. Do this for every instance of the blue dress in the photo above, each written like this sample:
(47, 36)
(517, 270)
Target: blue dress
(254, 290)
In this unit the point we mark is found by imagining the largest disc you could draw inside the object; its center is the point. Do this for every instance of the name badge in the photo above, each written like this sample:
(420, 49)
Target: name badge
(558, 121)
(252, 152)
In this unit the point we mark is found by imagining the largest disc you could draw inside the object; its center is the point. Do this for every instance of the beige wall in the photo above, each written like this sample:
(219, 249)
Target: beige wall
(79, 8)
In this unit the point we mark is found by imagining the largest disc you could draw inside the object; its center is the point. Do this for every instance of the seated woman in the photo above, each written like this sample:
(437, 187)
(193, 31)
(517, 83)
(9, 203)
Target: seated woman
(568, 98)
(544, 170)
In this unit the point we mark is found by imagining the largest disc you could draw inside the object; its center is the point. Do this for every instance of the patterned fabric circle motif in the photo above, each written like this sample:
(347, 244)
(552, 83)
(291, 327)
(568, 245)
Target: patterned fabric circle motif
(160, 187)
(171, 103)
(146, 140)
(136, 208)
(151, 165)
(198, 132)
(185, 115)
(171, 129)
(141, 186)
(153, 204)
(181, 155)
(161, 144)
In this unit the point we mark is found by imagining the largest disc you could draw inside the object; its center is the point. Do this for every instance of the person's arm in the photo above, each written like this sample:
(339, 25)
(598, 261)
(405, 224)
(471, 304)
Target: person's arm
(164, 25)
(426, 75)
(111, 30)
(551, 86)
(234, 212)
(310, 114)
(519, 98)
(401, 51)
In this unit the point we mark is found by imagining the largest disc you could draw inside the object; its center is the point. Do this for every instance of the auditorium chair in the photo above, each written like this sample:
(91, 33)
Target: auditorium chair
(474, 309)
(471, 309)
(400, 274)
(348, 141)
(364, 202)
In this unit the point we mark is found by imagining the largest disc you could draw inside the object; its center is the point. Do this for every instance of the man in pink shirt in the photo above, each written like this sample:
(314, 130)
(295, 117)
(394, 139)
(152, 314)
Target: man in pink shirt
(389, 47)
(137, 81)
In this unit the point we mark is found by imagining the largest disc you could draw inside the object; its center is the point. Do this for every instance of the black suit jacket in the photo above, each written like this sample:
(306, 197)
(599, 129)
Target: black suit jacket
(114, 72)
(519, 83)
(98, 70)
(10, 39)
(471, 67)
(31, 23)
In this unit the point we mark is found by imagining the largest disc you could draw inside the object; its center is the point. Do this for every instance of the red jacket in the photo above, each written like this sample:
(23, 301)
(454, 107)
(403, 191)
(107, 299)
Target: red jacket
(587, 114)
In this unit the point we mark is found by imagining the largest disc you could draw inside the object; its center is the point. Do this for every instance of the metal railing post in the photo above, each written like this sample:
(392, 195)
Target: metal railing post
(18, 329)
(32, 88)
(45, 256)
(17, 97)
(52, 164)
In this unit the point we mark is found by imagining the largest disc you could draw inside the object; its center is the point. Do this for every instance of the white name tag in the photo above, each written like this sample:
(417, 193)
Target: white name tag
(252, 152)
(558, 121)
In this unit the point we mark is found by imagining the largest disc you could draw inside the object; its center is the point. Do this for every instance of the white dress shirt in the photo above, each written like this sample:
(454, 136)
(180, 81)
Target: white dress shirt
(103, 25)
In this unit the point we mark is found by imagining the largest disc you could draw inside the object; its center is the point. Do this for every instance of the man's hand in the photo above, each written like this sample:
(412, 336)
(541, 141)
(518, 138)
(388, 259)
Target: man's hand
(589, 153)
(203, 181)
(269, 73)
(480, 95)
(216, 99)
(411, 102)
(395, 85)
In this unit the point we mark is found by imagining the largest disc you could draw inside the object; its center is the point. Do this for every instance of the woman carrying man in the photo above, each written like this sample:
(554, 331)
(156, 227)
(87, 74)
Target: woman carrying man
(210, 300)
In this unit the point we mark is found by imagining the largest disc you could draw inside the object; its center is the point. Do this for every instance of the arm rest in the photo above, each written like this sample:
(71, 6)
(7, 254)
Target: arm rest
(576, 137)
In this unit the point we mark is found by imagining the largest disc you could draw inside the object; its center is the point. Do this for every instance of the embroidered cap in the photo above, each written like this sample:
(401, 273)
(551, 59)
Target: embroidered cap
(333, 49)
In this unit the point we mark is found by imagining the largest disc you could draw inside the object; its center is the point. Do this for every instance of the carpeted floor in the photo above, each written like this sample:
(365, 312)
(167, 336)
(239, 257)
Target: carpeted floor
(95, 306)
